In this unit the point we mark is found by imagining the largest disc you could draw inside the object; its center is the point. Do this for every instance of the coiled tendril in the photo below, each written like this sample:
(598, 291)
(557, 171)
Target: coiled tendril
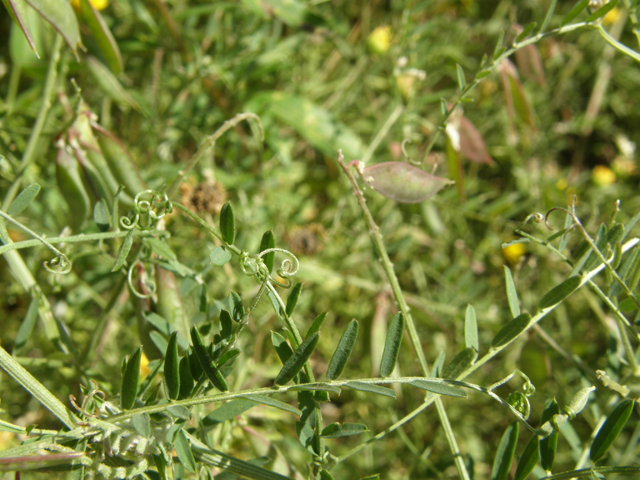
(146, 281)
(152, 204)
(60, 265)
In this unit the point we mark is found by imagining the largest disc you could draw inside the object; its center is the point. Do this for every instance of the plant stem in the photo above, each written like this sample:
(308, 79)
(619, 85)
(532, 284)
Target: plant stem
(387, 266)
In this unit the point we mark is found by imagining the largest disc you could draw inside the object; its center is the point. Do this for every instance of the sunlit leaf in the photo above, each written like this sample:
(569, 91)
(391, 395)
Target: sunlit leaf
(512, 293)
(18, 10)
(611, 429)
(317, 324)
(292, 299)
(219, 256)
(142, 424)
(24, 198)
(295, 363)
(125, 248)
(60, 14)
(511, 330)
(439, 388)
(272, 402)
(505, 452)
(560, 292)
(403, 182)
(343, 350)
(574, 12)
(228, 411)
(183, 449)
(371, 388)
(101, 215)
(471, 329)
(336, 430)
(460, 363)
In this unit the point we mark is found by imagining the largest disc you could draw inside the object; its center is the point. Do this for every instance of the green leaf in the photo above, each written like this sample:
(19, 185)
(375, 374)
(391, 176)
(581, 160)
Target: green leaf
(205, 361)
(235, 304)
(371, 477)
(460, 363)
(511, 330)
(611, 429)
(292, 300)
(336, 430)
(101, 215)
(183, 449)
(371, 388)
(628, 305)
(525, 32)
(392, 345)
(547, 17)
(24, 198)
(560, 292)
(574, 12)
(226, 325)
(343, 350)
(439, 388)
(172, 368)
(110, 84)
(325, 475)
(272, 402)
(497, 51)
(129, 387)
(123, 252)
(219, 256)
(26, 327)
(444, 109)
(203, 300)
(315, 387)
(186, 378)
(141, 424)
(19, 12)
(60, 14)
(295, 363)
(228, 411)
(471, 329)
(438, 365)
(283, 349)
(528, 460)
(462, 83)
(512, 293)
(103, 36)
(18, 373)
(504, 455)
(160, 247)
(316, 325)
(602, 11)
(268, 241)
(549, 444)
(227, 224)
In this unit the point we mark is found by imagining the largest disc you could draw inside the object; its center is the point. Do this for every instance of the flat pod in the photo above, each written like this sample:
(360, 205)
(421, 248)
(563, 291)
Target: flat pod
(402, 182)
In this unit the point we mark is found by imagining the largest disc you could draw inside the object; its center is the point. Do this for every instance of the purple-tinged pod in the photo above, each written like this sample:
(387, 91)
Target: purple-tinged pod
(402, 182)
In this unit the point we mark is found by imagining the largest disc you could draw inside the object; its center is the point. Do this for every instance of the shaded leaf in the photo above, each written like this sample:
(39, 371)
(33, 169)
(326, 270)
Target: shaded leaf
(549, 444)
(186, 378)
(611, 429)
(18, 10)
(403, 182)
(512, 293)
(206, 362)
(325, 475)
(560, 292)
(226, 325)
(102, 35)
(511, 330)
(505, 452)
(439, 388)
(26, 327)
(142, 424)
(497, 51)
(295, 363)
(574, 12)
(237, 308)
(227, 224)
(438, 365)
(524, 33)
(24, 198)
(183, 449)
(292, 300)
(110, 84)
(336, 430)
(172, 368)
(129, 387)
(371, 388)
(343, 350)
(219, 256)
(392, 345)
(123, 252)
(160, 248)
(60, 14)
(101, 215)
(272, 402)
(462, 83)
(460, 363)
(268, 241)
(528, 460)
(283, 349)
(471, 329)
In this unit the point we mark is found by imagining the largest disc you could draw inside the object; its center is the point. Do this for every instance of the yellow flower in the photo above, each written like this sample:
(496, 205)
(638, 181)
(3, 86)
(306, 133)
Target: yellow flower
(612, 16)
(97, 4)
(602, 175)
(379, 40)
(144, 369)
(514, 252)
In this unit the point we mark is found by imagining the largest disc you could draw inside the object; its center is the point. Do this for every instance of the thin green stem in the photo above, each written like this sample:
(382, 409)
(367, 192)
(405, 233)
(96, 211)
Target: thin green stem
(391, 120)
(387, 266)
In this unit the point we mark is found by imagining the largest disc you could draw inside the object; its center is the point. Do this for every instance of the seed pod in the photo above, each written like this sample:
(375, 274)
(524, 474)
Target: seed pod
(69, 179)
(578, 402)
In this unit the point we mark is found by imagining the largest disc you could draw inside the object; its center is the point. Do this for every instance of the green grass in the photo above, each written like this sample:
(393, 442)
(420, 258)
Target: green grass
(318, 81)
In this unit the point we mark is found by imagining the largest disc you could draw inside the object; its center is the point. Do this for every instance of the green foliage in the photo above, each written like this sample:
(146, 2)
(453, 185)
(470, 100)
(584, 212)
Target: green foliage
(120, 158)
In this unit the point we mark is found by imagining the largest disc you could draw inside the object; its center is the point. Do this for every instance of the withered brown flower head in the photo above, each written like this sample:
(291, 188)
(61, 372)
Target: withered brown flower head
(206, 197)
(307, 239)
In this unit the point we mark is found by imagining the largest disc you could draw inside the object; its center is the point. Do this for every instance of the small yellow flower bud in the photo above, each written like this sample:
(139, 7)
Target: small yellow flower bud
(602, 175)
(379, 40)
(97, 4)
(514, 252)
